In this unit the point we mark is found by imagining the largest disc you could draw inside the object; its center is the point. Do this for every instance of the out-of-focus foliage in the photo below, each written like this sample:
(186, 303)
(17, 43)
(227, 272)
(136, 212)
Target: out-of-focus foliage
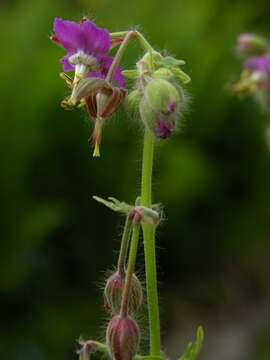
(213, 177)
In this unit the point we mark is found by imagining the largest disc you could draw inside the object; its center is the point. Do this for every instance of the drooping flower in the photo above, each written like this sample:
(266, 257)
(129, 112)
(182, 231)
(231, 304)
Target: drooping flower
(87, 46)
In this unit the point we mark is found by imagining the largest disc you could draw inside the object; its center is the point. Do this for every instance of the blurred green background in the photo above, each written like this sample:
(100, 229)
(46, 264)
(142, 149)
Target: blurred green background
(213, 179)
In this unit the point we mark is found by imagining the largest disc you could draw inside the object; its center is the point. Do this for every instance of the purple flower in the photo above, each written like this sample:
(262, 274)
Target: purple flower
(260, 63)
(87, 47)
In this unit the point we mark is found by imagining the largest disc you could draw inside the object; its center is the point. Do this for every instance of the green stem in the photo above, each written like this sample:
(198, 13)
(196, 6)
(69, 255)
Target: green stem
(130, 269)
(124, 246)
(149, 247)
(144, 43)
(118, 56)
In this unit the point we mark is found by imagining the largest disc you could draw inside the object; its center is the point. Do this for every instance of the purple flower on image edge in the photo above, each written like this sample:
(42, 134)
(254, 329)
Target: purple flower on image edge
(260, 63)
(90, 43)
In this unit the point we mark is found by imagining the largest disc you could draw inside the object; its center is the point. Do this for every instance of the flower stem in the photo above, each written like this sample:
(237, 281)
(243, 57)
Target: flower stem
(120, 52)
(145, 44)
(124, 246)
(130, 269)
(149, 246)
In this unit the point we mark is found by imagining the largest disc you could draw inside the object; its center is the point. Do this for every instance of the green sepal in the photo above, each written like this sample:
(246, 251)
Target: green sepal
(169, 62)
(130, 74)
(181, 75)
(193, 349)
(114, 204)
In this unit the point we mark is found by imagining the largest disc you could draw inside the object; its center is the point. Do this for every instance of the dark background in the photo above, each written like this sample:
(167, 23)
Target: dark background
(213, 178)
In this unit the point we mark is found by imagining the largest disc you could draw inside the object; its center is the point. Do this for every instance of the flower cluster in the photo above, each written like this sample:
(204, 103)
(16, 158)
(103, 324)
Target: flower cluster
(255, 76)
(98, 83)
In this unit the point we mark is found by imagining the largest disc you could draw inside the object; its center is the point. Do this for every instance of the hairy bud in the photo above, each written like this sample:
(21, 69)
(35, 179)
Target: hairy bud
(113, 293)
(160, 107)
(252, 44)
(123, 337)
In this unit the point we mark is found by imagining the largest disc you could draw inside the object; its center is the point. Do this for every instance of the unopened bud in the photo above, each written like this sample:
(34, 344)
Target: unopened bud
(133, 99)
(123, 337)
(113, 293)
(252, 44)
(163, 73)
(160, 107)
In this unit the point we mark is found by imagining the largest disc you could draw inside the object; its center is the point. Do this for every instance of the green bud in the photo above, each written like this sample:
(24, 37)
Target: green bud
(160, 95)
(133, 99)
(160, 107)
(163, 73)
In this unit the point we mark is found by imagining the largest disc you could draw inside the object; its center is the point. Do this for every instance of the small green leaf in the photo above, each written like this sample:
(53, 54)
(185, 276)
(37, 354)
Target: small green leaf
(130, 74)
(193, 349)
(182, 76)
(114, 204)
(169, 62)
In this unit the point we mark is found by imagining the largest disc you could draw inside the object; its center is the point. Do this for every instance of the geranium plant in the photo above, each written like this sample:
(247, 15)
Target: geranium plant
(158, 93)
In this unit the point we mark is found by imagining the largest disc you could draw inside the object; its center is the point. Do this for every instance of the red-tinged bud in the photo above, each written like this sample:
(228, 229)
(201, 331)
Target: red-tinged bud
(123, 337)
(113, 293)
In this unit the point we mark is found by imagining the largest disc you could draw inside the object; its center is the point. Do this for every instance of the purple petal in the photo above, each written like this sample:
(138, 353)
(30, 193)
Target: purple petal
(105, 63)
(163, 131)
(68, 34)
(67, 67)
(97, 40)
(260, 63)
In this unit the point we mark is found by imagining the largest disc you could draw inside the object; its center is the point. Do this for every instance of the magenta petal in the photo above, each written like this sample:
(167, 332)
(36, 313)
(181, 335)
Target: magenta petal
(260, 63)
(97, 40)
(105, 63)
(67, 67)
(67, 34)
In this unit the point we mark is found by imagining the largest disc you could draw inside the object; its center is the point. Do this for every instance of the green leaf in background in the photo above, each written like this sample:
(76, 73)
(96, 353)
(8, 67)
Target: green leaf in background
(193, 349)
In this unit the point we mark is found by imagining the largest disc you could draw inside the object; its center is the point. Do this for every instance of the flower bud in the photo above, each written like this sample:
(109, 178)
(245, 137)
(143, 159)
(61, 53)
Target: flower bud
(252, 44)
(113, 293)
(133, 99)
(163, 73)
(123, 337)
(160, 107)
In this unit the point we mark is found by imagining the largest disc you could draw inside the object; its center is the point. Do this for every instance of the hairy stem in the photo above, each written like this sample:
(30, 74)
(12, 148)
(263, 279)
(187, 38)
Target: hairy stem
(124, 246)
(130, 269)
(149, 246)
(144, 43)
(120, 52)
